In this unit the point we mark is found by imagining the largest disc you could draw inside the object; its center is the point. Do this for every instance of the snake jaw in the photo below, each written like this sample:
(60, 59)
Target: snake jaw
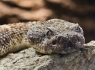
(60, 44)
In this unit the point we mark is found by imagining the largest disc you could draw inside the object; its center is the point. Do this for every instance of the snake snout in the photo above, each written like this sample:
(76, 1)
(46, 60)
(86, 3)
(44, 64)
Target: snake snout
(67, 44)
(59, 40)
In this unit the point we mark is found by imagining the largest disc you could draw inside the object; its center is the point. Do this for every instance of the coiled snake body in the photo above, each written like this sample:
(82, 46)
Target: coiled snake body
(52, 36)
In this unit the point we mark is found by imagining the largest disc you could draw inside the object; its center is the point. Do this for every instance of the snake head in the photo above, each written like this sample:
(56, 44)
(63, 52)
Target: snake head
(56, 36)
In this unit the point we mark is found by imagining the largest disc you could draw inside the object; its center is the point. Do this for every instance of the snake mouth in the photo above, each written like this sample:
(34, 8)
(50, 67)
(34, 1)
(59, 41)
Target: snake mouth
(61, 44)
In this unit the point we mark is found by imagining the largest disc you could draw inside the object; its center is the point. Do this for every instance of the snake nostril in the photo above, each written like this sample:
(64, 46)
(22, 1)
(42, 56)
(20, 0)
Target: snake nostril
(54, 42)
(58, 40)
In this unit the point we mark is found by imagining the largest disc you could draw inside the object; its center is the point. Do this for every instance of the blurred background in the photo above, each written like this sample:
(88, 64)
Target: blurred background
(77, 11)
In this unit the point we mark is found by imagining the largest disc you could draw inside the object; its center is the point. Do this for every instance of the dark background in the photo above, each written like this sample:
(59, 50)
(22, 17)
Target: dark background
(77, 11)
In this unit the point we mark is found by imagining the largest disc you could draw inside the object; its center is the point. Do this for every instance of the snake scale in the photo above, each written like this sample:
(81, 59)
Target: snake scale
(51, 36)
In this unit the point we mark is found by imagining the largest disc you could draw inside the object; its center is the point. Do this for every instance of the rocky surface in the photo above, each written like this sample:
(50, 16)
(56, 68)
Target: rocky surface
(28, 59)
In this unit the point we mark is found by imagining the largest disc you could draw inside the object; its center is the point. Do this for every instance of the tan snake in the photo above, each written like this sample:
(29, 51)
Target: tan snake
(51, 36)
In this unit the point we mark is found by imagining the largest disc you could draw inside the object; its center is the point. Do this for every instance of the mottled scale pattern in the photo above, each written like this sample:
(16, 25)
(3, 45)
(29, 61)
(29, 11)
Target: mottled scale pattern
(13, 37)
(51, 36)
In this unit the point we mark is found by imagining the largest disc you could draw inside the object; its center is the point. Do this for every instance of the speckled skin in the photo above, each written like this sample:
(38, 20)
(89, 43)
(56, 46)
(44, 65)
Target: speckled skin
(13, 37)
(52, 36)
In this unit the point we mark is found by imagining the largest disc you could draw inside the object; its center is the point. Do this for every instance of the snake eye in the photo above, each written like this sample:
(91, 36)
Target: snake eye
(78, 29)
(49, 32)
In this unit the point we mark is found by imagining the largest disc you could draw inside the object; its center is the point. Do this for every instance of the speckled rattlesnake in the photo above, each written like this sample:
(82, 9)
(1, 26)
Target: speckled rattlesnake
(52, 36)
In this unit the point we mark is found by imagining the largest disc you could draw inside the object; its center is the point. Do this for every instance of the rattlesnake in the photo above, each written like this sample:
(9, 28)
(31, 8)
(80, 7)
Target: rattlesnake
(51, 36)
